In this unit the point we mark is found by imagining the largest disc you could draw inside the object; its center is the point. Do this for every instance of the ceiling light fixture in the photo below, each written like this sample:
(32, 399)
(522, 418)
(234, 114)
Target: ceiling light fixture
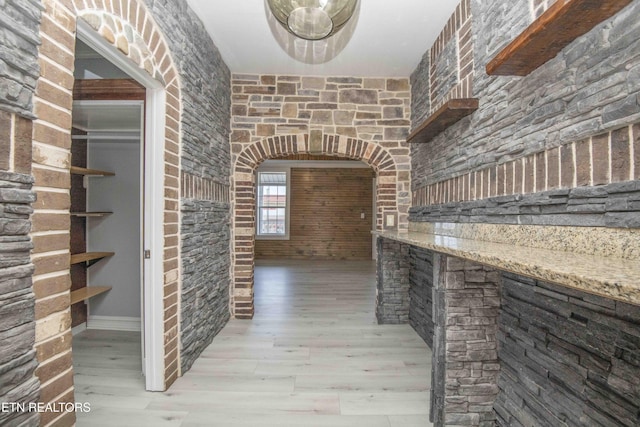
(312, 19)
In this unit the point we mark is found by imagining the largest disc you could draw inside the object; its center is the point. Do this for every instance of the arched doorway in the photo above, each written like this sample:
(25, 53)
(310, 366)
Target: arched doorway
(244, 196)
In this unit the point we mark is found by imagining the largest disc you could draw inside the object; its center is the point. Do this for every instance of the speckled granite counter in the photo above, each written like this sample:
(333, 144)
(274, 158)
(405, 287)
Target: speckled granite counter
(610, 276)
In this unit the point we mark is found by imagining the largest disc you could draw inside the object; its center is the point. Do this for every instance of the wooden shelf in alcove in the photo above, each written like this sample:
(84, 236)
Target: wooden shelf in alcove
(89, 257)
(451, 112)
(558, 26)
(84, 171)
(89, 214)
(87, 292)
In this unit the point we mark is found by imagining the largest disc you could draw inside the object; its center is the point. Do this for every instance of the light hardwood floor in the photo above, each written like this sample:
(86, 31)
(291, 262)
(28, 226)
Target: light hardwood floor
(313, 355)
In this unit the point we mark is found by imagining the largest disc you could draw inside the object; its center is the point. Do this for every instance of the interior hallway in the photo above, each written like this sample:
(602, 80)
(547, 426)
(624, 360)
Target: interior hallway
(313, 355)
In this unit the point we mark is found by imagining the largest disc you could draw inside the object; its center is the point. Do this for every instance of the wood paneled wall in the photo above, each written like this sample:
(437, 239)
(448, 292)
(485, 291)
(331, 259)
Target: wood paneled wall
(325, 216)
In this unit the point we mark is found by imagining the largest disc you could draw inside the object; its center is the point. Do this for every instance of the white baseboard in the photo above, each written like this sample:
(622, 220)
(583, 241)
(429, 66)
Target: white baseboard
(114, 323)
(80, 328)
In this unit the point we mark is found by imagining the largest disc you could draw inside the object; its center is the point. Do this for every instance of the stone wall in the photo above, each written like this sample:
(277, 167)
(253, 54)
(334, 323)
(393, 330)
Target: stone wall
(19, 68)
(590, 182)
(356, 118)
(372, 112)
(420, 93)
(205, 266)
(392, 292)
(540, 6)
(421, 293)
(465, 353)
(613, 205)
(206, 97)
(205, 164)
(557, 147)
(567, 357)
(568, 124)
(18, 363)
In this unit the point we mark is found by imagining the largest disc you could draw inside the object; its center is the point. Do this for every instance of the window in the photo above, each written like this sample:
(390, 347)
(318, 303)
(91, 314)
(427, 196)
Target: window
(273, 204)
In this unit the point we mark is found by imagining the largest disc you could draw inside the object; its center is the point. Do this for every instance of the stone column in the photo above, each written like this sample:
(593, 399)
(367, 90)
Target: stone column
(465, 357)
(438, 360)
(392, 293)
(18, 384)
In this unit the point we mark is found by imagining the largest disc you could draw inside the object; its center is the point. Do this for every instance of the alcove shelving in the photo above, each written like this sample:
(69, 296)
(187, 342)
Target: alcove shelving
(558, 26)
(89, 214)
(87, 292)
(89, 257)
(92, 172)
(83, 259)
(451, 112)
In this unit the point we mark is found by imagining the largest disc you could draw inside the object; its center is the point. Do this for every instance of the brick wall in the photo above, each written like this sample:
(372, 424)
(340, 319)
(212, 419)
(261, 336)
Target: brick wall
(446, 69)
(327, 225)
(350, 117)
(205, 162)
(592, 182)
(567, 357)
(129, 28)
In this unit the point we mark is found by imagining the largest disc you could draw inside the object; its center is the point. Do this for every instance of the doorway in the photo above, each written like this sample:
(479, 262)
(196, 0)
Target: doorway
(107, 211)
(314, 207)
(124, 125)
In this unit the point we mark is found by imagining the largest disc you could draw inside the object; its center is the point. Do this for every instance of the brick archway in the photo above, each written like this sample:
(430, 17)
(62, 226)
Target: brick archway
(244, 195)
(129, 27)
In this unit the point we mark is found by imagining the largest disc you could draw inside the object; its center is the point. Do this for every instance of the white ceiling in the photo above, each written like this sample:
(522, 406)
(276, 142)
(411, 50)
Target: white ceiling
(388, 40)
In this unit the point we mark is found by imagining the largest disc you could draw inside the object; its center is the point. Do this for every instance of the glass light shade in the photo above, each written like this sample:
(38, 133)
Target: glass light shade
(312, 19)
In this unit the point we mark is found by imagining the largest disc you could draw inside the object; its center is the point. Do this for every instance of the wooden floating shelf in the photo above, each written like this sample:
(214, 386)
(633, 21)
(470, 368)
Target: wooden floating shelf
(451, 112)
(89, 257)
(87, 292)
(92, 214)
(558, 26)
(84, 171)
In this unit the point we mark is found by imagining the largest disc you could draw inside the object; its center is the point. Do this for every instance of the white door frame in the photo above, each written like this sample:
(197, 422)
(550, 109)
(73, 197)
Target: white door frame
(152, 317)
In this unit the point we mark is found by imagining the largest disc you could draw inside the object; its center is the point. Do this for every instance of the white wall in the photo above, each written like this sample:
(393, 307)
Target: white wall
(118, 232)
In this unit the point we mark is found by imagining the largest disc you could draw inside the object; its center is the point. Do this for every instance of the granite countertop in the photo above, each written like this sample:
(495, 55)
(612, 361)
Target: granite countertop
(612, 277)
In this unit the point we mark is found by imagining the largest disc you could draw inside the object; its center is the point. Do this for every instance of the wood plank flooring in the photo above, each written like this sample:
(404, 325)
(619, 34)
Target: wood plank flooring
(312, 356)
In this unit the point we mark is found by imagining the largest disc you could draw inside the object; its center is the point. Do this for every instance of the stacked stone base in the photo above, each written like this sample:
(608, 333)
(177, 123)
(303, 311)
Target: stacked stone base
(392, 293)
(18, 384)
(509, 350)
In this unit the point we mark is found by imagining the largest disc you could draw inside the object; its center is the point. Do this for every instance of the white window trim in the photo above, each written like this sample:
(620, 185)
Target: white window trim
(287, 211)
